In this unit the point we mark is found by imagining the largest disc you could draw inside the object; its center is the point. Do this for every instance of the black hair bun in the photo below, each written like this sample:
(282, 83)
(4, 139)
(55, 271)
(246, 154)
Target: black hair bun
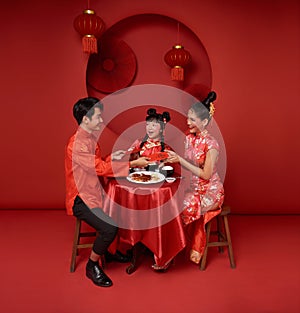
(151, 111)
(166, 116)
(211, 97)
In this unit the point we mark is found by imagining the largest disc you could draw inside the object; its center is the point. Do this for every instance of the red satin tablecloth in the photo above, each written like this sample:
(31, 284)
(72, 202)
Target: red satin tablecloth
(147, 213)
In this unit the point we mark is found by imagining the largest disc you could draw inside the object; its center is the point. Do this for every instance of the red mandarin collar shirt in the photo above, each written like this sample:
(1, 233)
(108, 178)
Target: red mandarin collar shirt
(83, 165)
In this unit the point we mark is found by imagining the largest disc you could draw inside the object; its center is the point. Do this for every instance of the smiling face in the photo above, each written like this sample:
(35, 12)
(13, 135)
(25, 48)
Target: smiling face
(153, 129)
(94, 123)
(194, 123)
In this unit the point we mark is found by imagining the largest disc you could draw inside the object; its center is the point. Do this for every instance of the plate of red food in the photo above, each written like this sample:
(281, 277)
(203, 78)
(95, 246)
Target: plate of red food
(146, 177)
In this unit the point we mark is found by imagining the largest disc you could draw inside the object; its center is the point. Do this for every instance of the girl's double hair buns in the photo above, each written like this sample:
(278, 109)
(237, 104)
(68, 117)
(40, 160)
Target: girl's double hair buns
(152, 114)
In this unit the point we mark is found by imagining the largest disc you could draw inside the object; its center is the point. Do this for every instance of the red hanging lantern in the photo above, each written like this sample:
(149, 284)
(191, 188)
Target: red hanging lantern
(91, 27)
(177, 58)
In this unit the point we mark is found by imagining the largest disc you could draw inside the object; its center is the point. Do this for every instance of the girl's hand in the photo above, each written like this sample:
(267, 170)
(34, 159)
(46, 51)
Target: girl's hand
(140, 162)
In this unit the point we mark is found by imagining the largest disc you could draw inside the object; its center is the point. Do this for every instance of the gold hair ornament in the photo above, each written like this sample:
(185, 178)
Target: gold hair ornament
(212, 109)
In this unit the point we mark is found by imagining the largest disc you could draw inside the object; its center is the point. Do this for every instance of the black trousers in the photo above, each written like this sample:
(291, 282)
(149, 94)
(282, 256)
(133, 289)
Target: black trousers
(101, 222)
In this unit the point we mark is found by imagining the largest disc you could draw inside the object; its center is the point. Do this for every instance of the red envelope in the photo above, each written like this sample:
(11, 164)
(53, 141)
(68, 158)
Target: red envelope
(159, 156)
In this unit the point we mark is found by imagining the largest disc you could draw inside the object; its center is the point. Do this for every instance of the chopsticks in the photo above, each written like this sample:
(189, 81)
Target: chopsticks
(133, 151)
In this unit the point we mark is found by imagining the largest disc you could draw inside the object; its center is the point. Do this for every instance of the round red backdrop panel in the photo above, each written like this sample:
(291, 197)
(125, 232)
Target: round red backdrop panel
(113, 68)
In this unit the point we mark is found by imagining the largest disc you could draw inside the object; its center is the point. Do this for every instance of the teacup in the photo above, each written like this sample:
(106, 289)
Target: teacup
(138, 169)
(152, 167)
(167, 170)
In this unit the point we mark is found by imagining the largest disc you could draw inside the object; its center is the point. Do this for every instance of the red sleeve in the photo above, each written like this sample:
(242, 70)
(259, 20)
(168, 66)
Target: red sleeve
(90, 162)
(108, 167)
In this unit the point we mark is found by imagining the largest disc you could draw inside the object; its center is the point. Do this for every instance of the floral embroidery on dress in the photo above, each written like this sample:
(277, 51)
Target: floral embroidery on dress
(203, 195)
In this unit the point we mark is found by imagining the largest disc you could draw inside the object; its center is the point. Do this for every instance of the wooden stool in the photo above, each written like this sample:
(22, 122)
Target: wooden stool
(223, 234)
(77, 245)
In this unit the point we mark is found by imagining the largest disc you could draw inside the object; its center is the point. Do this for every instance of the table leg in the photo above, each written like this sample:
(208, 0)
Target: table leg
(138, 250)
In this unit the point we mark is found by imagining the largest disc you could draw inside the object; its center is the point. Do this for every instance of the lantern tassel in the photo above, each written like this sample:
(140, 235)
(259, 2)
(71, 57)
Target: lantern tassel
(89, 44)
(177, 73)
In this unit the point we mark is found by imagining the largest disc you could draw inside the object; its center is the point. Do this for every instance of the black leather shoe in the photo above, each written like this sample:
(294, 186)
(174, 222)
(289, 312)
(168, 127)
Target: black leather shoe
(96, 274)
(118, 257)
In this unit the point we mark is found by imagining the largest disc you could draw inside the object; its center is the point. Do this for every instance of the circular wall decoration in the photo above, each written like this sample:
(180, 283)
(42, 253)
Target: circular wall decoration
(114, 66)
(150, 36)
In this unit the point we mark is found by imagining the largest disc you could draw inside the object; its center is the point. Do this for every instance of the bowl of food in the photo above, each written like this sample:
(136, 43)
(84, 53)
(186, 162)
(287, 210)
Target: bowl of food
(170, 179)
(167, 170)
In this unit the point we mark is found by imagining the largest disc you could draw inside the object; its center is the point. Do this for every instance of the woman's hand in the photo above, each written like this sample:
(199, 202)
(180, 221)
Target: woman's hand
(173, 157)
(117, 155)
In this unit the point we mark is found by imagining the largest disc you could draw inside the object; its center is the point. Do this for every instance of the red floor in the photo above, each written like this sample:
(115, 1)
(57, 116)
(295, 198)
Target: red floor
(35, 277)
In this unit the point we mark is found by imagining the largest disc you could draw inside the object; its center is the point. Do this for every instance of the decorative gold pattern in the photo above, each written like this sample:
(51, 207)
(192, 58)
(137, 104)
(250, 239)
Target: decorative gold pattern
(212, 109)
(89, 11)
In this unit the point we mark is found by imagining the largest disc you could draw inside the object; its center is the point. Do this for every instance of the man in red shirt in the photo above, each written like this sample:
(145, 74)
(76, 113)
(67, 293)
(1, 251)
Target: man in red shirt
(83, 166)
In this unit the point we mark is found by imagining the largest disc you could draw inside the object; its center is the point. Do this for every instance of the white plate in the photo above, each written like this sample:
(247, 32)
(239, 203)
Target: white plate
(155, 177)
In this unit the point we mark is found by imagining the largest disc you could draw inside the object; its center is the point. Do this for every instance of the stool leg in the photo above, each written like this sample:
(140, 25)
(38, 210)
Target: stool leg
(75, 243)
(219, 231)
(203, 259)
(230, 250)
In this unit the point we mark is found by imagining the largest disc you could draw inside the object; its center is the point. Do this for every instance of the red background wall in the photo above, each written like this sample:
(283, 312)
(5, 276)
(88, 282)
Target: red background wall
(253, 48)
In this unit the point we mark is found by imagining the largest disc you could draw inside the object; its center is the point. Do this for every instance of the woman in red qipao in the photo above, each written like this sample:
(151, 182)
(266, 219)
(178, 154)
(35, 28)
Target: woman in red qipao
(154, 140)
(205, 196)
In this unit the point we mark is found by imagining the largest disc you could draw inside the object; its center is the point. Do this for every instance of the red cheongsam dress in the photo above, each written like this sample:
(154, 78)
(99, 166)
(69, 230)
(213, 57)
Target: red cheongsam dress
(204, 198)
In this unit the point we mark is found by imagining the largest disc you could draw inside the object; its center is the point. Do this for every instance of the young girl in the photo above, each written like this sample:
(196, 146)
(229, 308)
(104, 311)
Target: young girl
(154, 140)
(203, 200)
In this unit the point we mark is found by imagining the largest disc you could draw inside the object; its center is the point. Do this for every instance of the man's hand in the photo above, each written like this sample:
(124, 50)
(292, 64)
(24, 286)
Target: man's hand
(117, 155)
